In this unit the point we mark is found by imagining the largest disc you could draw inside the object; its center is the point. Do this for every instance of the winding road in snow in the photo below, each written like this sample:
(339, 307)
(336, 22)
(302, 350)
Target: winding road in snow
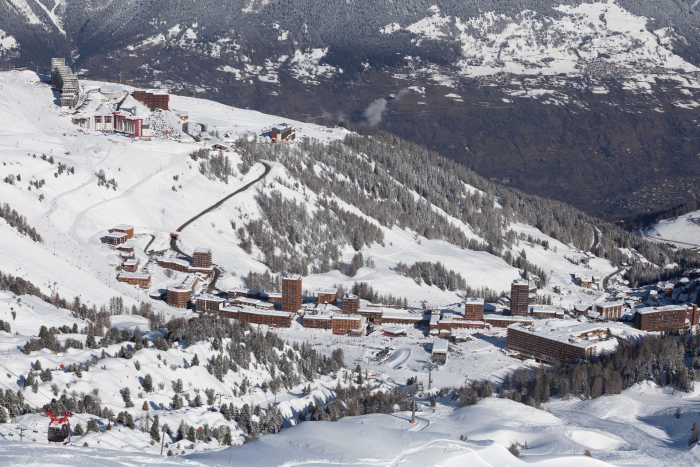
(173, 241)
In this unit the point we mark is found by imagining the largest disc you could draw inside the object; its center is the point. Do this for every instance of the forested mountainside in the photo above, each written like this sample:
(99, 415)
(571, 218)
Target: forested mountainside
(350, 188)
(558, 98)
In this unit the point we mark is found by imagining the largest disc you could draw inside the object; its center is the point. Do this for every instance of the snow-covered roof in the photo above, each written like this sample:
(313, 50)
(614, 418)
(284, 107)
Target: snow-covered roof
(349, 317)
(611, 304)
(440, 346)
(474, 301)
(123, 227)
(209, 297)
(395, 330)
(292, 277)
(134, 275)
(202, 250)
(349, 296)
(116, 235)
(660, 309)
(521, 282)
(327, 291)
(257, 311)
(131, 262)
(583, 335)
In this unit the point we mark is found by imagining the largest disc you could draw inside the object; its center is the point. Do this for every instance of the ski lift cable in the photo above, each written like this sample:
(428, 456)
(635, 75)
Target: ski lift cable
(76, 416)
(33, 440)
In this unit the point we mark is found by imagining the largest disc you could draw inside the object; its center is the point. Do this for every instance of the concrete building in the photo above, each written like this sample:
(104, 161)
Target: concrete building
(439, 353)
(500, 321)
(519, 296)
(610, 310)
(351, 303)
(202, 258)
(373, 315)
(268, 317)
(664, 318)
(560, 341)
(115, 238)
(254, 303)
(125, 229)
(474, 309)
(153, 98)
(327, 295)
(348, 324)
(178, 297)
(291, 293)
(209, 303)
(131, 265)
(139, 280)
(65, 81)
(546, 312)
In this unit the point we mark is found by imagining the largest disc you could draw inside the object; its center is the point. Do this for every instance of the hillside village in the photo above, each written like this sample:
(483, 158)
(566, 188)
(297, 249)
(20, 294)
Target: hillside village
(565, 305)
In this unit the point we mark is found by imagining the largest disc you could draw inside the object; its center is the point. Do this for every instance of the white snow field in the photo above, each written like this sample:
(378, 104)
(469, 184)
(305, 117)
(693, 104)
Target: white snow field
(683, 231)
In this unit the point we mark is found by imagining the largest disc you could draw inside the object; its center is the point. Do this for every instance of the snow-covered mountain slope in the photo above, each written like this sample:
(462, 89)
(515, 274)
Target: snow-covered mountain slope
(158, 187)
(682, 231)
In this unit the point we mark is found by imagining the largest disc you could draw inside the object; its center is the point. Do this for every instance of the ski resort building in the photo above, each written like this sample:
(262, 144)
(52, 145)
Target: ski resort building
(372, 315)
(181, 265)
(500, 321)
(153, 98)
(108, 121)
(209, 303)
(439, 352)
(125, 229)
(126, 251)
(268, 317)
(116, 238)
(291, 293)
(351, 303)
(202, 258)
(560, 341)
(139, 280)
(474, 309)
(348, 324)
(282, 133)
(610, 310)
(327, 295)
(180, 296)
(272, 297)
(65, 81)
(131, 265)
(254, 303)
(519, 297)
(666, 318)
(246, 293)
(546, 312)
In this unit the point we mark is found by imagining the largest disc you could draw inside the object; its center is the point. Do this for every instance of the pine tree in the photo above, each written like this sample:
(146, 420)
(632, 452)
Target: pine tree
(147, 383)
(228, 441)
(92, 426)
(191, 435)
(195, 360)
(155, 429)
(78, 430)
(37, 366)
(694, 433)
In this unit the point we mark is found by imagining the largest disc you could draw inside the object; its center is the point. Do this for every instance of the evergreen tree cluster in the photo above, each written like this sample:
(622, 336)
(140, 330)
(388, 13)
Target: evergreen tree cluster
(19, 222)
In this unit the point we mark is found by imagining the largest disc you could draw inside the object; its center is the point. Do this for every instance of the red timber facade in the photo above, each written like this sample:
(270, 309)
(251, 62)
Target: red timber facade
(519, 295)
(351, 303)
(326, 295)
(209, 303)
(126, 229)
(202, 258)
(131, 265)
(560, 346)
(318, 321)
(291, 293)
(153, 98)
(115, 238)
(179, 298)
(347, 324)
(140, 280)
(268, 317)
(666, 318)
(474, 309)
